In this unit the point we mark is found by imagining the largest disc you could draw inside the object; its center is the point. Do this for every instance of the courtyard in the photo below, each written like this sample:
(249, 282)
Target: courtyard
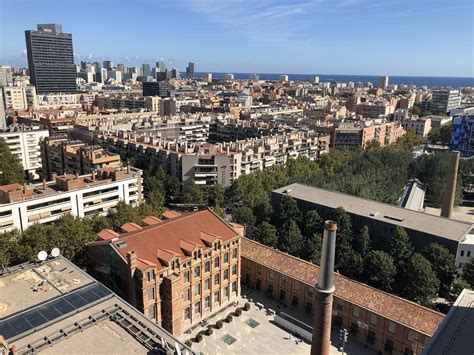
(255, 332)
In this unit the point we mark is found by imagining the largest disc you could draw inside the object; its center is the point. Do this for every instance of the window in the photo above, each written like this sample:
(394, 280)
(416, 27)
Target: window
(197, 307)
(296, 285)
(197, 289)
(408, 351)
(391, 327)
(283, 279)
(207, 284)
(226, 291)
(271, 275)
(468, 253)
(339, 305)
(197, 271)
(234, 269)
(308, 307)
(310, 291)
(354, 328)
(373, 319)
(187, 313)
(216, 262)
(216, 279)
(234, 286)
(150, 275)
(355, 311)
(151, 294)
(411, 335)
(234, 253)
(226, 274)
(152, 312)
(186, 294)
(462, 252)
(207, 266)
(389, 345)
(186, 276)
(207, 302)
(226, 257)
(217, 296)
(371, 337)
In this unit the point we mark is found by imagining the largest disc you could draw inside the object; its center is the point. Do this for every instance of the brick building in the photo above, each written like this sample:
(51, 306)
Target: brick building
(177, 270)
(382, 321)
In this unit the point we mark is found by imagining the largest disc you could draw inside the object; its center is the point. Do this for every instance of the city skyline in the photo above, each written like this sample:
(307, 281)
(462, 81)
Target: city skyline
(316, 28)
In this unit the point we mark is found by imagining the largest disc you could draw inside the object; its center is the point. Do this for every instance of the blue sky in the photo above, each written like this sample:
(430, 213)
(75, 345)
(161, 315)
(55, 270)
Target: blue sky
(404, 37)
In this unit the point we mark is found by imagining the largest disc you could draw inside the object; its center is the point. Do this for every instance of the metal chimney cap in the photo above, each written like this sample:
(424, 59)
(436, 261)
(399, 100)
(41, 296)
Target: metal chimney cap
(330, 225)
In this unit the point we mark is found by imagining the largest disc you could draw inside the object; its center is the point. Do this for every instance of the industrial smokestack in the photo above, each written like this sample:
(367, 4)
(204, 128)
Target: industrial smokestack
(450, 192)
(320, 344)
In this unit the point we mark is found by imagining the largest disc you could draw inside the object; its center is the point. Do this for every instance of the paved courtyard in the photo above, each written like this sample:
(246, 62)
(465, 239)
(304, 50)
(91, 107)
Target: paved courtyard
(255, 332)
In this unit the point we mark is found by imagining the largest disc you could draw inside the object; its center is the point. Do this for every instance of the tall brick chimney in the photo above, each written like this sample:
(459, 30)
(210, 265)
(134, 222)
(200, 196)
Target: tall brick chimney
(450, 191)
(132, 261)
(320, 344)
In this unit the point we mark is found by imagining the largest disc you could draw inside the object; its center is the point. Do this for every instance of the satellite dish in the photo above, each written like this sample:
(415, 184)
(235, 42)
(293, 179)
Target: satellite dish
(55, 252)
(42, 255)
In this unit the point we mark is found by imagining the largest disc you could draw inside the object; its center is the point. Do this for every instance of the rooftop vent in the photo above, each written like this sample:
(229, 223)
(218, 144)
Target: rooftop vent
(394, 218)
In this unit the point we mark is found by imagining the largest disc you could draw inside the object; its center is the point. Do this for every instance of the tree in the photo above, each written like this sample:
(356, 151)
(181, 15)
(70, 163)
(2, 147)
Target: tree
(441, 135)
(415, 110)
(361, 243)
(11, 170)
(290, 239)
(444, 265)
(372, 144)
(194, 194)
(263, 211)
(266, 233)
(344, 226)
(312, 248)
(348, 261)
(156, 201)
(401, 248)
(243, 215)
(312, 223)
(288, 210)
(419, 282)
(457, 288)
(216, 195)
(122, 214)
(10, 250)
(379, 270)
(410, 140)
(468, 272)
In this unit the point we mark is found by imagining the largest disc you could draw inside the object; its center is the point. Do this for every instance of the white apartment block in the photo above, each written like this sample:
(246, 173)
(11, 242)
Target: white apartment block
(465, 251)
(19, 98)
(23, 141)
(97, 193)
(53, 101)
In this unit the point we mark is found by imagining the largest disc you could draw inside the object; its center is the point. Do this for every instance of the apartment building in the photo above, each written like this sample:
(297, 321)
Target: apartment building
(63, 156)
(421, 126)
(177, 270)
(383, 322)
(19, 98)
(373, 109)
(445, 100)
(353, 135)
(462, 137)
(23, 141)
(97, 193)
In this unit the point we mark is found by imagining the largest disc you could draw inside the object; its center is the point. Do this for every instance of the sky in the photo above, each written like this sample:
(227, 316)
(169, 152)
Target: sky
(373, 37)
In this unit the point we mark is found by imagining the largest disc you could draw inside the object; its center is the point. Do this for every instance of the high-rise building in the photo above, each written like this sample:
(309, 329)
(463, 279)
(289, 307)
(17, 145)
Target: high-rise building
(161, 65)
(5, 75)
(108, 64)
(383, 82)
(444, 100)
(174, 73)
(254, 77)
(284, 78)
(156, 88)
(51, 59)
(146, 69)
(314, 79)
(207, 78)
(229, 76)
(190, 70)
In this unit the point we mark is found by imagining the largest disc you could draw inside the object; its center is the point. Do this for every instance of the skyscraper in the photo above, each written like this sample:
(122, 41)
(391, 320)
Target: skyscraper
(108, 64)
(190, 70)
(444, 100)
(161, 65)
(146, 70)
(383, 82)
(51, 59)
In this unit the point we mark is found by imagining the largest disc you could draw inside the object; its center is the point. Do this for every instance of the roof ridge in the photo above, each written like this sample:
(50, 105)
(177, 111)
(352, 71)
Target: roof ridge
(347, 278)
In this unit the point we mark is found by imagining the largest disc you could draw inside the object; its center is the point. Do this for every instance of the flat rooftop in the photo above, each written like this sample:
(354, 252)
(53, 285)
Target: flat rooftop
(454, 335)
(430, 224)
(54, 307)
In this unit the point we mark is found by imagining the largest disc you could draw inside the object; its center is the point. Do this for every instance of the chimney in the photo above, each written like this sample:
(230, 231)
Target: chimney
(450, 191)
(128, 169)
(93, 175)
(132, 261)
(44, 184)
(320, 344)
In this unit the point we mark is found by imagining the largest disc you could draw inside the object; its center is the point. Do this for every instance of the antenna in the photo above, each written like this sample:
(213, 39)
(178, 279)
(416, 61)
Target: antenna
(55, 252)
(42, 255)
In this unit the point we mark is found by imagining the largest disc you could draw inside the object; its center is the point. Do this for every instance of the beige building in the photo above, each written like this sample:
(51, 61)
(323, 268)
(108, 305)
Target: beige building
(19, 98)
(421, 126)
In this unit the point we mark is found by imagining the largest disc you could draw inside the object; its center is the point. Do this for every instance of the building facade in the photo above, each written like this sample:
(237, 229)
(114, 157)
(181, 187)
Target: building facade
(462, 135)
(444, 101)
(383, 322)
(19, 98)
(51, 59)
(177, 270)
(22, 206)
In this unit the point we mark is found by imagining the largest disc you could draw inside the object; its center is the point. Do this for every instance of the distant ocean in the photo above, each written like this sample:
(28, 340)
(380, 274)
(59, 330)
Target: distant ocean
(429, 81)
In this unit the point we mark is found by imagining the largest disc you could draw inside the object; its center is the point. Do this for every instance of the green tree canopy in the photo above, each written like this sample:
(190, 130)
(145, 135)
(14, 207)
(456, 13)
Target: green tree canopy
(312, 223)
(290, 239)
(361, 243)
(444, 265)
(441, 135)
(11, 170)
(243, 215)
(344, 226)
(312, 248)
(266, 233)
(379, 270)
(468, 272)
(216, 195)
(288, 210)
(401, 248)
(194, 194)
(348, 261)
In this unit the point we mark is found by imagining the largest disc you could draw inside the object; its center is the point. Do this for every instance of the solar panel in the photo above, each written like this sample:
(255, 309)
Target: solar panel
(38, 317)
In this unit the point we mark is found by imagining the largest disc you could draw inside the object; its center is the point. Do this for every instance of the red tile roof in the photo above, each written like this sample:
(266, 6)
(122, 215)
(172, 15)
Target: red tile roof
(11, 187)
(151, 220)
(397, 309)
(160, 241)
(170, 214)
(130, 227)
(107, 234)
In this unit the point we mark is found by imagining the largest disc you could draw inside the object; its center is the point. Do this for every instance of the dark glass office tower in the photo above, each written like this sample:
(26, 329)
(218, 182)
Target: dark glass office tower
(51, 59)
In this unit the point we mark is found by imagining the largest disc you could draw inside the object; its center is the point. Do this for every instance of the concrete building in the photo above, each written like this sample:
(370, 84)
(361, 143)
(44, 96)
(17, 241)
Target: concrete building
(178, 271)
(52, 306)
(314, 79)
(23, 141)
(444, 101)
(146, 70)
(207, 78)
(229, 76)
(421, 126)
(19, 98)
(156, 88)
(254, 77)
(353, 135)
(3, 119)
(6, 75)
(374, 109)
(381, 321)
(462, 135)
(115, 75)
(51, 59)
(383, 82)
(190, 71)
(22, 206)
(57, 101)
(284, 78)
(381, 218)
